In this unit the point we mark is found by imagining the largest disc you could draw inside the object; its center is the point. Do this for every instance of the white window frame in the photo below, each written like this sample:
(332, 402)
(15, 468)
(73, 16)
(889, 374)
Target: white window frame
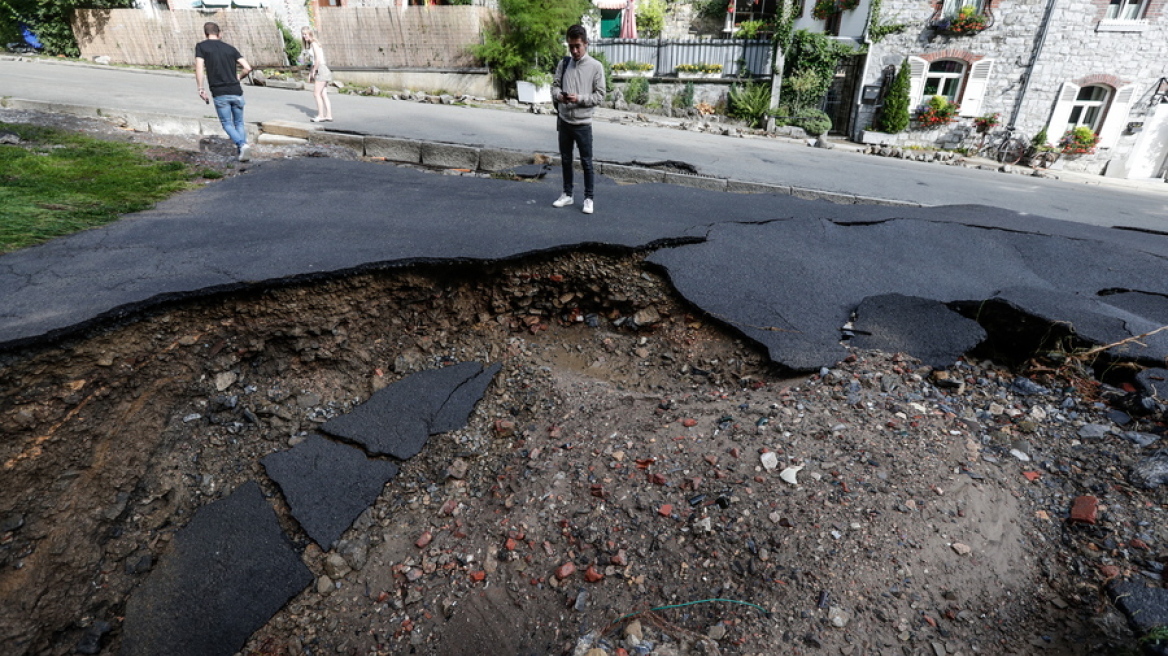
(1113, 117)
(951, 8)
(942, 77)
(1126, 10)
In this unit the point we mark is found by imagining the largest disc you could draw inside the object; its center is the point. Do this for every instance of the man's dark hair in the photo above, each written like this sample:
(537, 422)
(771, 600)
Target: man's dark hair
(210, 28)
(578, 32)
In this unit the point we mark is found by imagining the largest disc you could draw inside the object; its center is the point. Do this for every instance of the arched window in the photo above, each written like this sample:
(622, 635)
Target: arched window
(1089, 106)
(943, 79)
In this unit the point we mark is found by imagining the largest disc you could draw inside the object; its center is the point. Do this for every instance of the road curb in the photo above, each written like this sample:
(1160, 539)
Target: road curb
(435, 154)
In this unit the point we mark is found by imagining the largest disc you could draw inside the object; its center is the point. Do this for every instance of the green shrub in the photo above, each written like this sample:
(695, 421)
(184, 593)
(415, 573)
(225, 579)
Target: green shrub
(650, 18)
(529, 39)
(750, 102)
(599, 56)
(814, 121)
(292, 46)
(894, 115)
(637, 91)
(685, 99)
(49, 20)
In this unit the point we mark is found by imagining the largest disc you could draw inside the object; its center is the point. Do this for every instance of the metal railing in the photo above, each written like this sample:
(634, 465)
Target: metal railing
(738, 57)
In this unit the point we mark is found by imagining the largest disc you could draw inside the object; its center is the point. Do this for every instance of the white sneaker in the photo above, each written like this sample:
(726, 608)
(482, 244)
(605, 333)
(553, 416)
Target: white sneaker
(587, 205)
(563, 201)
(245, 152)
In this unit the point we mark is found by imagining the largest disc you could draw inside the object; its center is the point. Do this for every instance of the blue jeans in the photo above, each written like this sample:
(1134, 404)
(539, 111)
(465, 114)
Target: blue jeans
(579, 136)
(230, 111)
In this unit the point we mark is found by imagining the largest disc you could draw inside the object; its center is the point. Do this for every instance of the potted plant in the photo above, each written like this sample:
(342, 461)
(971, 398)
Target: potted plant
(632, 69)
(1041, 155)
(937, 113)
(967, 21)
(1079, 140)
(699, 70)
(535, 87)
(825, 9)
(983, 124)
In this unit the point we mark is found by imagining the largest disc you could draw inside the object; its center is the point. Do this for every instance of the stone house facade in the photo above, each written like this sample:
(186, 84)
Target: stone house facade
(1052, 64)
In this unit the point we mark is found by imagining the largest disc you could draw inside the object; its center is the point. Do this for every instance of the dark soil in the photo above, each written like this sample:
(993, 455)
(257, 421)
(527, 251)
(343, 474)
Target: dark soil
(627, 436)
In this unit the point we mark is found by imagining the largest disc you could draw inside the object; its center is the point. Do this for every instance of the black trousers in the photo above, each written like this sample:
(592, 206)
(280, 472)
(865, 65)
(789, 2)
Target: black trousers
(579, 136)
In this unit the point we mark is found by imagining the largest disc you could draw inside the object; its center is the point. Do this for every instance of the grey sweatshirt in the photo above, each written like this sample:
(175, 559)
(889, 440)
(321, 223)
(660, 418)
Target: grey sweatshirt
(585, 78)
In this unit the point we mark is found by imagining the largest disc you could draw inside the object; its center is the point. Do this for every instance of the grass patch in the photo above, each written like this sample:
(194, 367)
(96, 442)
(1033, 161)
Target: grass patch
(55, 183)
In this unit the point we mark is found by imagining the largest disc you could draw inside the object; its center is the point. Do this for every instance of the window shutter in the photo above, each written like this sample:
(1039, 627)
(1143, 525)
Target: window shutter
(975, 87)
(918, 68)
(1116, 119)
(1062, 112)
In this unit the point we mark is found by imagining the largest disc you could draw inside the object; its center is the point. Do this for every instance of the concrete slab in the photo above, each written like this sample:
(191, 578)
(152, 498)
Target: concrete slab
(353, 142)
(227, 572)
(289, 128)
(328, 485)
(625, 173)
(927, 329)
(697, 181)
(266, 139)
(740, 187)
(494, 159)
(397, 420)
(394, 150)
(450, 156)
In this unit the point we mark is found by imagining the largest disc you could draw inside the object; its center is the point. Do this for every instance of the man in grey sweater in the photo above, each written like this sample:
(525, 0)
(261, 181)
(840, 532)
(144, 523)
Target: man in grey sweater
(578, 87)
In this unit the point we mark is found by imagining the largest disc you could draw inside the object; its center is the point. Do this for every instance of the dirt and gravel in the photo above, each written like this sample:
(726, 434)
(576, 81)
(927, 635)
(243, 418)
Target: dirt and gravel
(637, 477)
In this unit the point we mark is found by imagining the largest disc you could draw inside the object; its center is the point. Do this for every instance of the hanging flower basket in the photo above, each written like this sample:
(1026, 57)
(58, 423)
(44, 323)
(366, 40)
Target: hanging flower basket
(825, 9)
(967, 22)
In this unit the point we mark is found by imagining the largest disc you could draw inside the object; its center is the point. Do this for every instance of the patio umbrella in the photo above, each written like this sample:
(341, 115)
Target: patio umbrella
(629, 21)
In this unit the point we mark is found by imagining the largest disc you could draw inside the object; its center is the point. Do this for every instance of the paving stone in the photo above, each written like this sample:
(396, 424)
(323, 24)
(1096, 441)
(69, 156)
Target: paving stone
(1146, 608)
(1154, 382)
(328, 485)
(227, 572)
(895, 323)
(398, 419)
(394, 150)
(450, 156)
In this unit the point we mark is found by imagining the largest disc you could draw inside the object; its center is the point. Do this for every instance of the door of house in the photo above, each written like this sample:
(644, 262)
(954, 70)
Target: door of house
(610, 23)
(837, 104)
(1150, 155)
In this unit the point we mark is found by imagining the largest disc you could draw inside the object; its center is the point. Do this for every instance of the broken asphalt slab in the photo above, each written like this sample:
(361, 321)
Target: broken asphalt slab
(327, 485)
(786, 272)
(228, 571)
(792, 285)
(397, 420)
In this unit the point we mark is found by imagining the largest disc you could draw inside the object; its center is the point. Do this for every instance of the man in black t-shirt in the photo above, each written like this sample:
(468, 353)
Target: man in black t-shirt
(216, 65)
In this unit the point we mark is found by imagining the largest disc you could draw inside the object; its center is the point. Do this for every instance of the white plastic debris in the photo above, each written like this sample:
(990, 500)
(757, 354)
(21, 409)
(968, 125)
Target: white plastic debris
(790, 474)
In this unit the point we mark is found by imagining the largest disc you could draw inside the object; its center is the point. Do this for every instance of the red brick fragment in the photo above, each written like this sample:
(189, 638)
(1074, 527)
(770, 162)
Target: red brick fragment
(1137, 543)
(510, 544)
(424, 540)
(478, 576)
(597, 491)
(565, 570)
(1084, 509)
(1032, 475)
(592, 575)
(1109, 571)
(689, 423)
(657, 479)
(665, 510)
(620, 559)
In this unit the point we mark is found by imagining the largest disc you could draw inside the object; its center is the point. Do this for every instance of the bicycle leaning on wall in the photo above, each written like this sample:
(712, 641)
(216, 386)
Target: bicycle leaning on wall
(1004, 146)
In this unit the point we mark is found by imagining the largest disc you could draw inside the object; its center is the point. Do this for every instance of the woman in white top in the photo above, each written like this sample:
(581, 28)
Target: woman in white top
(320, 75)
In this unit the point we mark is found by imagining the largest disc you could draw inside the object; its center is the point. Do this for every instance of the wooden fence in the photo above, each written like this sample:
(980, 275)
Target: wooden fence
(402, 37)
(433, 38)
(132, 36)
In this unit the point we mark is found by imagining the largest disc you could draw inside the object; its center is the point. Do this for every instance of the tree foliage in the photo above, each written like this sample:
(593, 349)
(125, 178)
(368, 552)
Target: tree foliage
(814, 56)
(529, 39)
(50, 20)
(894, 114)
(650, 18)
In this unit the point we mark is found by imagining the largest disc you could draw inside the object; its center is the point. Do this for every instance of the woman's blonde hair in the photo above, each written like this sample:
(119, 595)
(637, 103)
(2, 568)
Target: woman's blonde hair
(306, 32)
